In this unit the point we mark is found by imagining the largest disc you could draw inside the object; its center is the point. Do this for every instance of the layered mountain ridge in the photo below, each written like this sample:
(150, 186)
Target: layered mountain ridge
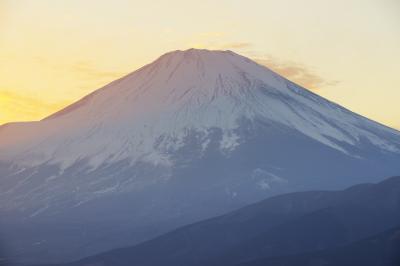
(356, 226)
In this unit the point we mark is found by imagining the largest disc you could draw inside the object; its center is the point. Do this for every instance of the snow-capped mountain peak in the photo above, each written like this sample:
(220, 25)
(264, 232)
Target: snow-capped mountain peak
(149, 112)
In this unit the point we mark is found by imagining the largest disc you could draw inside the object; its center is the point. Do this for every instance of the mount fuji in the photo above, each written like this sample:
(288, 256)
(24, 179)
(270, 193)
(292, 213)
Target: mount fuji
(195, 134)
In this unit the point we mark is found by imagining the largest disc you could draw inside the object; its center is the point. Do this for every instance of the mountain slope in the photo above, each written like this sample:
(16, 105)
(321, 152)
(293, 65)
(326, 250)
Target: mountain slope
(382, 249)
(192, 135)
(282, 225)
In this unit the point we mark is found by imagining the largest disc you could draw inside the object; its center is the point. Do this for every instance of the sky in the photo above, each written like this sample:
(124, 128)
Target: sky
(53, 52)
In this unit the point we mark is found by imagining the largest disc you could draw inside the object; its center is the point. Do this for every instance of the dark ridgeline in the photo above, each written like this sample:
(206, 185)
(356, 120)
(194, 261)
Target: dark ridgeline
(382, 249)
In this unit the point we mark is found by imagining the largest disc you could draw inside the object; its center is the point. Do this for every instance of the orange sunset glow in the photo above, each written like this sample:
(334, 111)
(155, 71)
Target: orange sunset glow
(54, 52)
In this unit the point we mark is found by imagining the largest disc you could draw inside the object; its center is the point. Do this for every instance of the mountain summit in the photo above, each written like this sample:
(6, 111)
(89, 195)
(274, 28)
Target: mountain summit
(194, 134)
(180, 91)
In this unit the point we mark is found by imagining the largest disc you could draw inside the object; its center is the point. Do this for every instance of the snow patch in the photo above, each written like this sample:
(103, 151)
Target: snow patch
(229, 142)
(266, 180)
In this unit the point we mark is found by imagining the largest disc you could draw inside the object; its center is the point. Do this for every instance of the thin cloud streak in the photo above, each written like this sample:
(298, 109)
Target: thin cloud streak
(297, 73)
(293, 71)
(87, 69)
(24, 108)
(236, 45)
(15, 106)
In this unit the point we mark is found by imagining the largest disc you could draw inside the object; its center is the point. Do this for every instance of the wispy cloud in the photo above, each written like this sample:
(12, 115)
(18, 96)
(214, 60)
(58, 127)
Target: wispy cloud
(89, 71)
(85, 69)
(216, 41)
(296, 72)
(236, 45)
(18, 107)
(216, 45)
(15, 106)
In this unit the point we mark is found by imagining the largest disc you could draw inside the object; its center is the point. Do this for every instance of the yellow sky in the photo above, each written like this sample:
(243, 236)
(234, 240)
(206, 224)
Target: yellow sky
(52, 52)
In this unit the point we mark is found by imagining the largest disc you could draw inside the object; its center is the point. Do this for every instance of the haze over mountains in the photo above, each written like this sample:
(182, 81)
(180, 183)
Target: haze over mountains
(356, 226)
(192, 135)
